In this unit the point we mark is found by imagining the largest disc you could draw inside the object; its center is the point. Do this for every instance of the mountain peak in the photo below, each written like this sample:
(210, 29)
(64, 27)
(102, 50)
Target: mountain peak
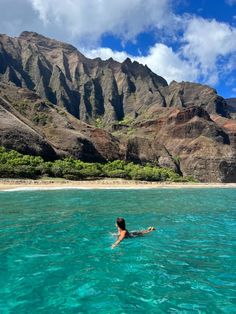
(44, 41)
(34, 37)
(29, 35)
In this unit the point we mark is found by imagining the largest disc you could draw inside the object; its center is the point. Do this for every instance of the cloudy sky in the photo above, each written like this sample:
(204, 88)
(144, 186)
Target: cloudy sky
(192, 40)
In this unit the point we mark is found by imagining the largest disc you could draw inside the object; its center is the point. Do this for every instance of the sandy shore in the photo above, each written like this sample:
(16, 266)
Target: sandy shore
(14, 184)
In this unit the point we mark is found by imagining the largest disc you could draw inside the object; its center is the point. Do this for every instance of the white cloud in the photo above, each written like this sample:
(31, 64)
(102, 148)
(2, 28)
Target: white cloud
(91, 19)
(106, 53)
(210, 45)
(165, 62)
(16, 16)
(206, 40)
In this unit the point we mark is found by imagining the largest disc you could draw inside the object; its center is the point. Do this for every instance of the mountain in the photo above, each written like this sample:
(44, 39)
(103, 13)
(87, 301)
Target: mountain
(93, 89)
(88, 89)
(55, 102)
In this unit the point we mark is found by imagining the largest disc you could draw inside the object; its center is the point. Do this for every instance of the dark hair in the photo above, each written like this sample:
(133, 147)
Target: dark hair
(120, 223)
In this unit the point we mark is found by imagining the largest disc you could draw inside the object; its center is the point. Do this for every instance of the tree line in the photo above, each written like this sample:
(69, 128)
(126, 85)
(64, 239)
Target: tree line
(16, 165)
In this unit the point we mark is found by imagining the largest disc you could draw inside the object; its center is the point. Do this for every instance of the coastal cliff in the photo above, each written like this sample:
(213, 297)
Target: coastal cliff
(55, 102)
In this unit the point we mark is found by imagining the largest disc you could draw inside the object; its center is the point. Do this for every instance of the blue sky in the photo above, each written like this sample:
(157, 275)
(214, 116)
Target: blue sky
(192, 40)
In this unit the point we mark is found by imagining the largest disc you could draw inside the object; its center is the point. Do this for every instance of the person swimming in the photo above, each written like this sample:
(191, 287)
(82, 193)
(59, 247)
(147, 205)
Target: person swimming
(124, 233)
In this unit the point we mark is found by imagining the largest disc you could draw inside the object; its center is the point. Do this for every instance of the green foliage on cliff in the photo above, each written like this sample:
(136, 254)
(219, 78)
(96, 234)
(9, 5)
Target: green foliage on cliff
(16, 165)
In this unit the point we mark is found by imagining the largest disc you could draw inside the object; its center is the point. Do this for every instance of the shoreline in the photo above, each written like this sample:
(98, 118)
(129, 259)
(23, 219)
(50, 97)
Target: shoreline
(26, 184)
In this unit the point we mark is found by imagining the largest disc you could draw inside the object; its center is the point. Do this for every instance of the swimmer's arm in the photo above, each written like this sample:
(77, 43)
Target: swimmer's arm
(121, 238)
(150, 229)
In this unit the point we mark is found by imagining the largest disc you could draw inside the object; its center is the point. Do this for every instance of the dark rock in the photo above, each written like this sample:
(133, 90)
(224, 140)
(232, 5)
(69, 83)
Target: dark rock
(186, 94)
(231, 106)
(142, 150)
(15, 134)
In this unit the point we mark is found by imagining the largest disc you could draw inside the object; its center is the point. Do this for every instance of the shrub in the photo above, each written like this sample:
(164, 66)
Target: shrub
(90, 171)
(6, 171)
(118, 173)
(25, 171)
(45, 168)
(14, 164)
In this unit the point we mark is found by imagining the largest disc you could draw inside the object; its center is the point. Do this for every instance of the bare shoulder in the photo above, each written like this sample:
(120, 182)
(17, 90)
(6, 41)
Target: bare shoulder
(122, 233)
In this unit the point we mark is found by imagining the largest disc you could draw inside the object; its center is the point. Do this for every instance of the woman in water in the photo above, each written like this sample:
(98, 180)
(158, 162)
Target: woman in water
(124, 233)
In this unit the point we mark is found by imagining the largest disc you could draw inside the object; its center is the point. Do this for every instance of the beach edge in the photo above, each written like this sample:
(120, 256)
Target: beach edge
(6, 185)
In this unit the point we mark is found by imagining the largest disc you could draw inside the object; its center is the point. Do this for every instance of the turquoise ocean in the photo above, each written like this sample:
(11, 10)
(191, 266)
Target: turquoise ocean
(56, 256)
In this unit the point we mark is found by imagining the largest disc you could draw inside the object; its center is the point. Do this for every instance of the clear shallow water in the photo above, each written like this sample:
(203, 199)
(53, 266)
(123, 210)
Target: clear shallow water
(55, 254)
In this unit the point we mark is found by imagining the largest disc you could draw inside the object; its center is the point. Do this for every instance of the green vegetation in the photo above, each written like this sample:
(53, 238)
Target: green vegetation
(176, 159)
(99, 123)
(127, 121)
(62, 113)
(16, 165)
(40, 118)
(22, 106)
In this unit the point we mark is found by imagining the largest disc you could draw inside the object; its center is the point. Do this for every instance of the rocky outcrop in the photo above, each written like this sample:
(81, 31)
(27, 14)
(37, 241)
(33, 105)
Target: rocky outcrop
(143, 150)
(186, 94)
(198, 145)
(31, 125)
(17, 135)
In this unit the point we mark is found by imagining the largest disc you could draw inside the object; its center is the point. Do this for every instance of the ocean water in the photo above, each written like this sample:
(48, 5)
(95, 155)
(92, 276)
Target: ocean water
(56, 256)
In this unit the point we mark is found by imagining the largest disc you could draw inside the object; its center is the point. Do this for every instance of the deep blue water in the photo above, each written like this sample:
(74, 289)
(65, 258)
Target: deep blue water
(56, 257)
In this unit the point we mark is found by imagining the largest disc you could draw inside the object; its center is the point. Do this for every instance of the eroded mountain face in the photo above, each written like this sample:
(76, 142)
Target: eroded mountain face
(88, 89)
(32, 125)
(55, 102)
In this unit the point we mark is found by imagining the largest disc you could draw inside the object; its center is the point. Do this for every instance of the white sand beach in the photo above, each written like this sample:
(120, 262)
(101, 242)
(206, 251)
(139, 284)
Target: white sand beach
(21, 184)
